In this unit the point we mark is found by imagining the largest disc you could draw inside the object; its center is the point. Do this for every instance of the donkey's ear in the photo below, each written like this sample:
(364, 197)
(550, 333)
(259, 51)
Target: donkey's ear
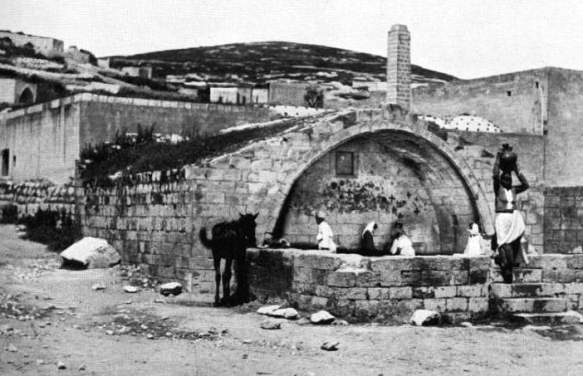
(255, 215)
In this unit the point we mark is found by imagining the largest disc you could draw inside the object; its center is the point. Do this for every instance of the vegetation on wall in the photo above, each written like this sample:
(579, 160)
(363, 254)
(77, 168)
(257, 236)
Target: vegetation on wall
(145, 151)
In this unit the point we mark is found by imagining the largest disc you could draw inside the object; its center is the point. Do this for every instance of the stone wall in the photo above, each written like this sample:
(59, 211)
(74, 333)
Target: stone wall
(380, 289)
(563, 221)
(152, 219)
(389, 289)
(31, 196)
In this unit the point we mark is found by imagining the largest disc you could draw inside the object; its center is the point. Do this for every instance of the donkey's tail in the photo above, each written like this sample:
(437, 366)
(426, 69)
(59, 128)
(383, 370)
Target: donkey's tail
(203, 239)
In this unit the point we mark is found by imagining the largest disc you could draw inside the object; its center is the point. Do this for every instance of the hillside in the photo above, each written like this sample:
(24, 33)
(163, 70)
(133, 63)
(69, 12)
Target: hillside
(263, 61)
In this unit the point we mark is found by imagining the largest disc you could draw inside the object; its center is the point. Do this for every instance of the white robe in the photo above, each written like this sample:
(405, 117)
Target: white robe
(404, 244)
(325, 237)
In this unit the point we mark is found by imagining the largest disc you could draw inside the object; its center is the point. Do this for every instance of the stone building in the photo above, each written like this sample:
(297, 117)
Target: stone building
(287, 93)
(144, 72)
(46, 46)
(17, 91)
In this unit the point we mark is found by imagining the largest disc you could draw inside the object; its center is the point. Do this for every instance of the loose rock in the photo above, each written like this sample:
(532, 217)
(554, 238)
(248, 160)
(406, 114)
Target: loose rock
(91, 253)
(11, 348)
(330, 345)
(288, 313)
(171, 288)
(61, 365)
(267, 310)
(425, 317)
(321, 318)
(98, 286)
(131, 289)
(271, 325)
(303, 321)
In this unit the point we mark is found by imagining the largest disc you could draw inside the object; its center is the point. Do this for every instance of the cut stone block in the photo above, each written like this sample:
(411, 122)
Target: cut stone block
(560, 318)
(533, 305)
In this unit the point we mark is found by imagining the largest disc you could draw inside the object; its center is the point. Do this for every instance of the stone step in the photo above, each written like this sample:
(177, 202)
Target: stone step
(557, 318)
(527, 290)
(532, 305)
(520, 275)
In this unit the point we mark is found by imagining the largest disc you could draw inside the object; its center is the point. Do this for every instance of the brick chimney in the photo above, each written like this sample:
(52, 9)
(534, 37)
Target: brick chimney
(399, 67)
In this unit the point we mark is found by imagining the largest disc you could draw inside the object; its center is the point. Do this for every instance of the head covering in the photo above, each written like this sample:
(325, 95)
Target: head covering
(474, 229)
(320, 214)
(370, 227)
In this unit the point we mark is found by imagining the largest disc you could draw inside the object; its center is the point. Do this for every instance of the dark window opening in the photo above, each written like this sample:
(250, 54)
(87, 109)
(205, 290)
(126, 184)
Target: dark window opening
(536, 84)
(509, 93)
(345, 163)
(5, 162)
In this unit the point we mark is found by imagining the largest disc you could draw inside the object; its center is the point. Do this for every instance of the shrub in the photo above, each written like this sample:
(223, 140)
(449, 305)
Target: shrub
(57, 229)
(9, 214)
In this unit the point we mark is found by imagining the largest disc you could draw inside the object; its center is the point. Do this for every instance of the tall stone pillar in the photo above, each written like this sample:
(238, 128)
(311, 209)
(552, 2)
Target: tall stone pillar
(399, 67)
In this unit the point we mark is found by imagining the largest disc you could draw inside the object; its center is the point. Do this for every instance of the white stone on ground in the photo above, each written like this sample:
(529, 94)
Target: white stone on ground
(330, 345)
(424, 317)
(321, 318)
(130, 289)
(92, 253)
(98, 286)
(288, 313)
(266, 310)
(171, 288)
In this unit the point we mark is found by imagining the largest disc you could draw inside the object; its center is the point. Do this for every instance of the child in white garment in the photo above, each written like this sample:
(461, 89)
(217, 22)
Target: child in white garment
(473, 248)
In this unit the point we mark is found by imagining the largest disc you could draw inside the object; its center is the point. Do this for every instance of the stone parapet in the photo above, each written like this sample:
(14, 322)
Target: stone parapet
(386, 289)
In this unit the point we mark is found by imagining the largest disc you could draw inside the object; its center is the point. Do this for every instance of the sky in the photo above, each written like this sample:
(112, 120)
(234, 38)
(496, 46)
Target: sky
(465, 38)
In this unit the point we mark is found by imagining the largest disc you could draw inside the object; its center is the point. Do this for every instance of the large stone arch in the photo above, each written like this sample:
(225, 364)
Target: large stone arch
(273, 166)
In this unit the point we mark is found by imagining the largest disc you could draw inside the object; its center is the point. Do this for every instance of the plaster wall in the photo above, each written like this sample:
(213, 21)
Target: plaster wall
(515, 102)
(46, 46)
(43, 141)
(7, 90)
(564, 141)
(287, 93)
(103, 116)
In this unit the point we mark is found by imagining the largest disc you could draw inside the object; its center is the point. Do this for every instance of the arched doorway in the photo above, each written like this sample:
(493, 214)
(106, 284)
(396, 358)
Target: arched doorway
(26, 97)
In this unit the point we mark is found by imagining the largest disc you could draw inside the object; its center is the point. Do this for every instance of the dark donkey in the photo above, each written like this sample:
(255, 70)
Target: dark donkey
(230, 241)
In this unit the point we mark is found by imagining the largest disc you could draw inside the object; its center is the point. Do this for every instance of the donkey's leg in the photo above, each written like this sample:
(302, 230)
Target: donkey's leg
(227, 279)
(242, 277)
(217, 265)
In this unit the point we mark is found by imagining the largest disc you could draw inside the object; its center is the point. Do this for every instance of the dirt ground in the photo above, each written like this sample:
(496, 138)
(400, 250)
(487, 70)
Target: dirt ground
(50, 315)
